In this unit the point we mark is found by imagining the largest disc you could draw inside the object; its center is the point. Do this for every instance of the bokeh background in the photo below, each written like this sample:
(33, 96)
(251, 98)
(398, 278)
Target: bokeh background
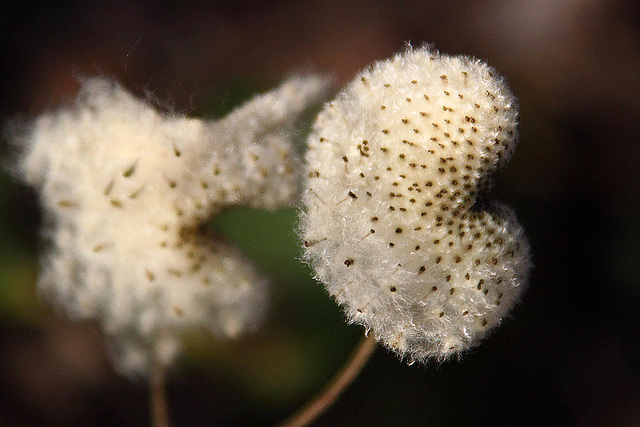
(569, 356)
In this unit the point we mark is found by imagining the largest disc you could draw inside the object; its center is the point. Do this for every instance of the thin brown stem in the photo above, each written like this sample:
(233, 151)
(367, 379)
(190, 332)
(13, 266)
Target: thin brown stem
(158, 396)
(323, 400)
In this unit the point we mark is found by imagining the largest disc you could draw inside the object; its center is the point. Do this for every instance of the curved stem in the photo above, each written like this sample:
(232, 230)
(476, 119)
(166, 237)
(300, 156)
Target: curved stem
(158, 396)
(323, 400)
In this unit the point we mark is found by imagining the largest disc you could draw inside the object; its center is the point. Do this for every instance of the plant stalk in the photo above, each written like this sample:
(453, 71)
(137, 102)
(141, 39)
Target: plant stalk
(327, 397)
(158, 396)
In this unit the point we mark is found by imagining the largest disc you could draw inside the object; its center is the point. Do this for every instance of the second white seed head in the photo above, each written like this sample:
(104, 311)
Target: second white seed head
(127, 192)
(397, 224)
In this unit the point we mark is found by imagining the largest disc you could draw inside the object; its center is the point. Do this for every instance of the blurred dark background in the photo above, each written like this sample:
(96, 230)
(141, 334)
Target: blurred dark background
(569, 356)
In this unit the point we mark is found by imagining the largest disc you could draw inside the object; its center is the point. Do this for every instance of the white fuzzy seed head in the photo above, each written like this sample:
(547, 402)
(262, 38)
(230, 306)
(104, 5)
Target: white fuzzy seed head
(125, 191)
(397, 225)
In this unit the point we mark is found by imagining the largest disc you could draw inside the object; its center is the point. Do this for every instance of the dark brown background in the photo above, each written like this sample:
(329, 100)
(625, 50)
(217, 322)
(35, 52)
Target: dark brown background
(569, 356)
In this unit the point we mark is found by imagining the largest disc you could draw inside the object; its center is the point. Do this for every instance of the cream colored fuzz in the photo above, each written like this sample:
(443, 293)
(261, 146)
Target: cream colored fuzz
(398, 225)
(126, 192)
